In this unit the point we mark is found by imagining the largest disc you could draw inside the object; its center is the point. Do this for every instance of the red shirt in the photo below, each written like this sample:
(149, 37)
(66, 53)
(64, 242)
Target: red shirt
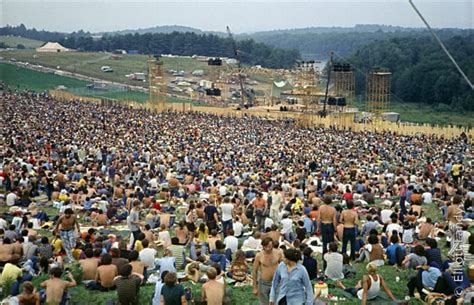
(347, 196)
(156, 206)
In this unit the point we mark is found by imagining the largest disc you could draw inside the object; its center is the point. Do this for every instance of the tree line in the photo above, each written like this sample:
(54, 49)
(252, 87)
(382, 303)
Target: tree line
(318, 45)
(421, 71)
(177, 43)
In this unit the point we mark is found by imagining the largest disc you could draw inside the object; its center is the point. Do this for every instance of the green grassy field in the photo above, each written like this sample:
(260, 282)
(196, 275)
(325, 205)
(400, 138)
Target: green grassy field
(89, 63)
(21, 79)
(25, 79)
(426, 114)
(13, 41)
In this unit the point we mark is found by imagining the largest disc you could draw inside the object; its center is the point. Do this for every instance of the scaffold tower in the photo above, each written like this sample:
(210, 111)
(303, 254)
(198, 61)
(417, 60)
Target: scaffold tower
(157, 83)
(378, 90)
(343, 78)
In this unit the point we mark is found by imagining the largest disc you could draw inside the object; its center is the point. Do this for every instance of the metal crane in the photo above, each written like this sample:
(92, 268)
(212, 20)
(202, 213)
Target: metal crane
(241, 75)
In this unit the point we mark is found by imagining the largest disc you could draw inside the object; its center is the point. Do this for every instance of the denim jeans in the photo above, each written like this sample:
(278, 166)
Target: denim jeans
(349, 236)
(327, 235)
(226, 227)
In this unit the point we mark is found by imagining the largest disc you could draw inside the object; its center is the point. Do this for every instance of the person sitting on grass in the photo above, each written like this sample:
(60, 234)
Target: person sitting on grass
(372, 252)
(172, 292)
(369, 288)
(29, 296)
(239, 267)
(56, 287)
(213, 291)
(415, 259)
(106, 273)
(395, 252)
(138, 266)
(128, 286)
(334, 262)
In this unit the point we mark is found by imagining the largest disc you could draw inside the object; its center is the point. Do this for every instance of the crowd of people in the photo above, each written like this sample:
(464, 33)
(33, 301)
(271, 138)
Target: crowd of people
(141, 197)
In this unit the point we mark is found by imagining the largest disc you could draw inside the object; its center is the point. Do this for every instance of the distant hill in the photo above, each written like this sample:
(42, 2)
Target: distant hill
(360, 28)
(316, 43)
(162, 29)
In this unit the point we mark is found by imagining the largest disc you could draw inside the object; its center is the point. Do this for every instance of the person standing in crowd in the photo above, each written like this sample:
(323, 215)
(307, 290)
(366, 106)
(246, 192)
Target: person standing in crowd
(133, 223)
(350, 219)
(65, 225)
(291, 284)
(327, 222)
(264, 267)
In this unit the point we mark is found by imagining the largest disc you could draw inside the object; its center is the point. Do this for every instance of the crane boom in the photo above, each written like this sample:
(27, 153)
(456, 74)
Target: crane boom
(237, 57)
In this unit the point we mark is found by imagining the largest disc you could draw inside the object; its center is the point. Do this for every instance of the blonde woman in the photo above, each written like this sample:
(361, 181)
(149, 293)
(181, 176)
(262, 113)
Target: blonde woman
(369, 287)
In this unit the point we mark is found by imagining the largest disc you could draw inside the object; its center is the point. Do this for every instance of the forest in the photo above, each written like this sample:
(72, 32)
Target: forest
(421, 71)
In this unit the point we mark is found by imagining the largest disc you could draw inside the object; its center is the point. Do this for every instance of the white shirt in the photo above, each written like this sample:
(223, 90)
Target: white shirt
(427, 197)
(3, 224)
(238, 227)
(385, 215)
(394, 226)
(11, 199)
(147, 256)
(287, 226)
(165, 237)
(268, 222)
(223, 190)
(276, 200)
(153, 183)
(232, 243)
(252, 243)
(227, 209)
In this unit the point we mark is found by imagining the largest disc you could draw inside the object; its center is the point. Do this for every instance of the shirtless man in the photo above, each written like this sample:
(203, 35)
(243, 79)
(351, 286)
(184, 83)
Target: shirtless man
(327, 222)
(66, 225)
(106, 273)
(274, 234)
(267, 261)
(349, 218)
(213, 291)
(89, 266)
(55, 286)
(454, 216)
(7, 252)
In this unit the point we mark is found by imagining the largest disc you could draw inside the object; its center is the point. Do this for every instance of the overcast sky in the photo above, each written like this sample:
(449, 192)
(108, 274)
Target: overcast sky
(241, 16)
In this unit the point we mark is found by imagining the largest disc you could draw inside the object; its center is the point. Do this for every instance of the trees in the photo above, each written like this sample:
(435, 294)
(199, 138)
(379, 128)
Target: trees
(421, 72)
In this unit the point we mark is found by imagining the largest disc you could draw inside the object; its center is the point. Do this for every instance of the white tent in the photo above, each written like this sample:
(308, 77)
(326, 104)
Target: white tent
(52, 47)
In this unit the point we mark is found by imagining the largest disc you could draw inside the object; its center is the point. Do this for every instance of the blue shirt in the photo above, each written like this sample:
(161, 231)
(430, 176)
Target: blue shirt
(430, 277)
(308, 224)
(391, 253)
(290, 285)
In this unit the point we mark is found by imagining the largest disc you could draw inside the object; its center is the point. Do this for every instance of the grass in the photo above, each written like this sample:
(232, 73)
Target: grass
(425, 114)
(21, 79)
(25, 79)
(13, 41)
(89, 63)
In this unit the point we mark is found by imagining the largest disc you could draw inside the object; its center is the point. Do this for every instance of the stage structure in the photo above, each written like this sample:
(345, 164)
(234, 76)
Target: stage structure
(378, 91)
(157, 83)
(343, 79)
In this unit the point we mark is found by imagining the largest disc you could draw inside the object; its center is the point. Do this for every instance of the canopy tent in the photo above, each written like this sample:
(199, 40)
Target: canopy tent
(52, 47)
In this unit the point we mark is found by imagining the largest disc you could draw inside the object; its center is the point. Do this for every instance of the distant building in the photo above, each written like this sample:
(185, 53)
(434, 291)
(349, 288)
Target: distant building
(52, 47)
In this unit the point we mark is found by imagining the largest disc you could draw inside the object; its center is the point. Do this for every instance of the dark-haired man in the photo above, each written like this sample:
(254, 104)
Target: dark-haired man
(66, 225)
(55, 286)
(128, 286)
(266, 262)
